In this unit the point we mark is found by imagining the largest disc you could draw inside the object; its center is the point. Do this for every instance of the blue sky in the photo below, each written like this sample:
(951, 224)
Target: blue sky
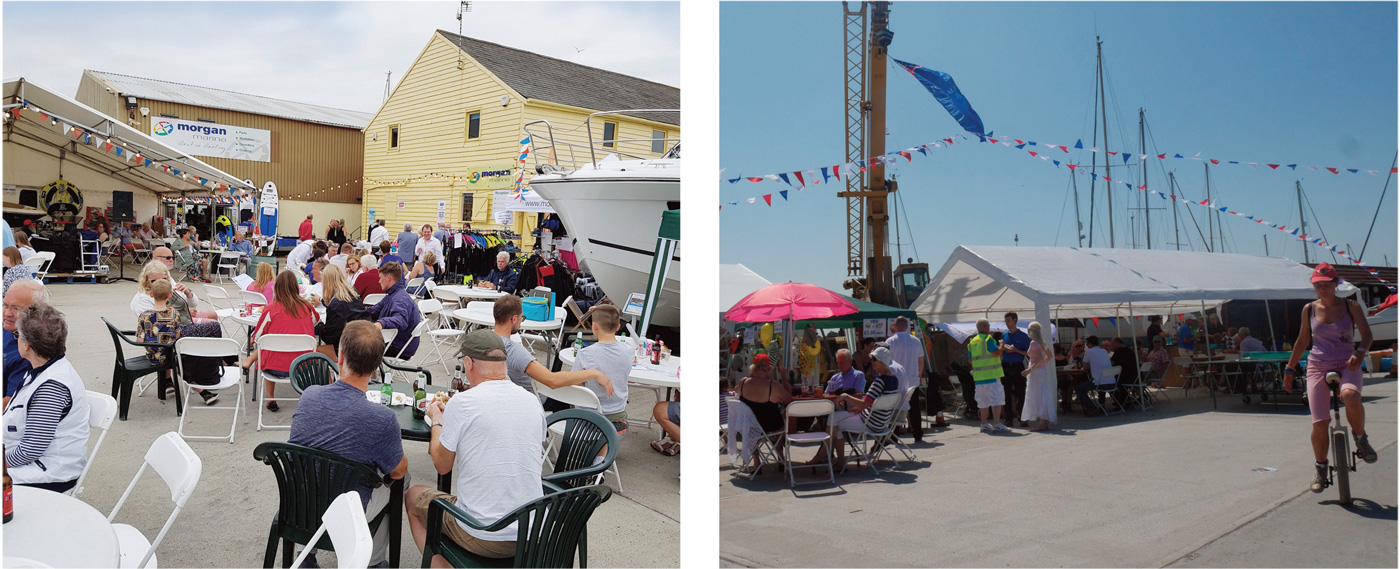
(328, 53)
(1305, 83)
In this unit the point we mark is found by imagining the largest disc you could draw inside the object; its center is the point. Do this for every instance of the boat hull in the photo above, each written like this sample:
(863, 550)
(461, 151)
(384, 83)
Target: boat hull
(615, 219)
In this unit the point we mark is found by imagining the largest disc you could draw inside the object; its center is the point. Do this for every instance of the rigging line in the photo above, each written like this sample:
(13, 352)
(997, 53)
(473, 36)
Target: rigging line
(1061, 225)
(1378, 208)
(1194, 222)
(900, 196)
(1316, 222)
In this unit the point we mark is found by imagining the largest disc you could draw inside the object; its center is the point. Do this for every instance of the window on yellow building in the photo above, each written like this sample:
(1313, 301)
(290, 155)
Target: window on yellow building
(466, 207)
(393, 137)
(473, 125)
(658, 141)
(609, 134)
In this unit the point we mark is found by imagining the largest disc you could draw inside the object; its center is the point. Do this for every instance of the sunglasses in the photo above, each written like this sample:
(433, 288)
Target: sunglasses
(165, 256)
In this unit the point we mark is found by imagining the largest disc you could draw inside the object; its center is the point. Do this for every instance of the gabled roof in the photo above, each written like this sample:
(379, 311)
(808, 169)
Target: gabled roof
(535, 76)
(195, 95)
(1359, 276)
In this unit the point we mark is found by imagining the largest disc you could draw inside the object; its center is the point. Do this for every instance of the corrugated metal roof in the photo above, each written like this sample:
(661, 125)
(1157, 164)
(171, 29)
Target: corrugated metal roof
(195, 95)
(535, 76)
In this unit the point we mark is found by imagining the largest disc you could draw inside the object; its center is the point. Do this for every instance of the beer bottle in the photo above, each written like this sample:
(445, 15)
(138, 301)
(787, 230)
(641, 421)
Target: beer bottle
(9, 496)
(420, 400)
(386, 393)
(656, 352)
(457, 384)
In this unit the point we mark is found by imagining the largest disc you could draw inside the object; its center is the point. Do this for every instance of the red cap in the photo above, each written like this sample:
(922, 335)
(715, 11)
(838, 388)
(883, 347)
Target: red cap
(1324, 272)
(761, 360)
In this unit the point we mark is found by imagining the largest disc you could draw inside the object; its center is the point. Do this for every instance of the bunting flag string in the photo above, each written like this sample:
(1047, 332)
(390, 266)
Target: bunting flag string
(110, 146)
(1045, 156)
(520, 167)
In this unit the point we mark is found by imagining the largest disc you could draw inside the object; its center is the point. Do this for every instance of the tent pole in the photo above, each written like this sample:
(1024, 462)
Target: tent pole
(1273, 345)
(1133, 320)
(1205, 325)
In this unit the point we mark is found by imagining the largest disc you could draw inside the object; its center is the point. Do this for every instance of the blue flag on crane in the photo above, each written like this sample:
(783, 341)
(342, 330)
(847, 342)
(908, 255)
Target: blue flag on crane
(947, 93)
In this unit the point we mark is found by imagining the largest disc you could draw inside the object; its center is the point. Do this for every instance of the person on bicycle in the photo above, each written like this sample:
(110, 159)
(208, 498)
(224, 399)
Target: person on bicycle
(1331, 321)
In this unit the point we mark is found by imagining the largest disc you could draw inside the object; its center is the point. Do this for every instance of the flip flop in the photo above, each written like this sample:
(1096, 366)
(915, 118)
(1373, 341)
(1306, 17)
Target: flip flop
(663, 446)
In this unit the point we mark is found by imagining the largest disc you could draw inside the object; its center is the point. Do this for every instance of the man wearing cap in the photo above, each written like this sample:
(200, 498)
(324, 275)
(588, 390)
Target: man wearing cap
(1331, 322)
(490, 436)
(985, 354)
(858, 412)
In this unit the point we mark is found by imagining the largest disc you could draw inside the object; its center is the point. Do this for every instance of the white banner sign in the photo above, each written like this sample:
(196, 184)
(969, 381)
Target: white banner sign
(503, 204)
(198, 138)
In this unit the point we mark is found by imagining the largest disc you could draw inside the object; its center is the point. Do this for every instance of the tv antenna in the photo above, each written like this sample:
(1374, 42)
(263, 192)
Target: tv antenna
(465, 7)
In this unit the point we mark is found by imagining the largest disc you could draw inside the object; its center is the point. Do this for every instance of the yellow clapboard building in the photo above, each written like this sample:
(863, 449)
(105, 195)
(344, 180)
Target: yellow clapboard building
(447, 138)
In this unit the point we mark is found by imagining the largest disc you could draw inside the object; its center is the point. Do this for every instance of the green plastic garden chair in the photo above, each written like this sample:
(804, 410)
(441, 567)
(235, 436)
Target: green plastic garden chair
(547, 533)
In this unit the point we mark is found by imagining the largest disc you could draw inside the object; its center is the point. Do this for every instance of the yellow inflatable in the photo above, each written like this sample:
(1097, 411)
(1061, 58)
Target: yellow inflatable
(765, 334)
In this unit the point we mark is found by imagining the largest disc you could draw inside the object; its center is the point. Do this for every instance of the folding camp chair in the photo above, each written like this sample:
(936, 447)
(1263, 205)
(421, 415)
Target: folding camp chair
(1100, 390)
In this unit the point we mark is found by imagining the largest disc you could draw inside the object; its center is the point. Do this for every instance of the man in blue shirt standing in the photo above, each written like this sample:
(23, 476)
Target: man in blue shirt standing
(1186, 337)
(1013, 362)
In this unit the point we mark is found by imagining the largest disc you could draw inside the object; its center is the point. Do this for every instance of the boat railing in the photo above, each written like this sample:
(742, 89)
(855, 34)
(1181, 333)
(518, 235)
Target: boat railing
(542, 138)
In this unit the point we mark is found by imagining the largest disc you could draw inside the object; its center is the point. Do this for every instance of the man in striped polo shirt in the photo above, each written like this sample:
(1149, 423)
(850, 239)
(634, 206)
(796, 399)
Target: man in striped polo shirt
(985, 355)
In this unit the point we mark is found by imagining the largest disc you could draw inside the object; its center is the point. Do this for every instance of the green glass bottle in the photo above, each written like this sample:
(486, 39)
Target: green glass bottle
(386, 393)
(420, 400)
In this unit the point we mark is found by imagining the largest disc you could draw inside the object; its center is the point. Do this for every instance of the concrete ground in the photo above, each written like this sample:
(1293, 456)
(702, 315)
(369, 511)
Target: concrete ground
(1175, 485)
(225, 523)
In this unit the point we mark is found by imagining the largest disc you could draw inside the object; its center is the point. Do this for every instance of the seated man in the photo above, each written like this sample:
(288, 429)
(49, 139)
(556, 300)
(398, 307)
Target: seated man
(242, 246)
(339, 259)
(858, 412)
(1098, 360)
(668, 415)
(521, 366)
(490, 436)
(337, 418)
(21, 295)
(1249, 343)
(397, 311)
(141, 301)
(848, 380)
(1161, 361)
(502, 277)
(1122, 355)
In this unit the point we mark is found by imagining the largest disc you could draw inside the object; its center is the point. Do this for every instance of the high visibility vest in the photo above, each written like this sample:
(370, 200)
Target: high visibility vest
(986, 368)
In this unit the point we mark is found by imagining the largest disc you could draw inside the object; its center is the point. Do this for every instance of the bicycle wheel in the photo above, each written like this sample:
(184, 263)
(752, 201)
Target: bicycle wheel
(1341, 465)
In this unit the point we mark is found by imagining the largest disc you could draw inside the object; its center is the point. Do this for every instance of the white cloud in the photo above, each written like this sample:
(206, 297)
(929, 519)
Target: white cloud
(333, 54)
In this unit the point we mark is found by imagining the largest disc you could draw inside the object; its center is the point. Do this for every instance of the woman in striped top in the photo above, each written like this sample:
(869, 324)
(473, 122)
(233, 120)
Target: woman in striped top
(46, 422)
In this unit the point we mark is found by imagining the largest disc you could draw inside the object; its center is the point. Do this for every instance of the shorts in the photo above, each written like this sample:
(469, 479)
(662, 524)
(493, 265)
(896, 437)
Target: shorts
(673, 412)
(619, 422)
(482, 547)
(1319, 398)
(990, 395)
(847, 421)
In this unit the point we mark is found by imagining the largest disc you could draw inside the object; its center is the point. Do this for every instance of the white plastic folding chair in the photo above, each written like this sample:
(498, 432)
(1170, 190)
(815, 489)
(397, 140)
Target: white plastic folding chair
(251, 298)
(102, 410)
(397, 356)
(1191, 377)
(227, 265)
(372, 299)
(582, 398)
(286, 343)
(140, 254)
(345, 521)
(230, 376)
(765, 446)
(450, 300)
(41, 261)
(1140, 392)
(901, 419)
(808, 409)
(441, 335)
(1104, 388)
(868, 442)
(414, 283)
(179, 467)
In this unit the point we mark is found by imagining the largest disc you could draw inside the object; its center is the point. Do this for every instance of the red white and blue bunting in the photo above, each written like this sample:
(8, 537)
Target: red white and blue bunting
(1051, 154)
(110, 146)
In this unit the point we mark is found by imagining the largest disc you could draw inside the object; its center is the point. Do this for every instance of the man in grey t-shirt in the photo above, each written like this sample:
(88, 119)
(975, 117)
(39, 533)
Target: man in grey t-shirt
(521, 366)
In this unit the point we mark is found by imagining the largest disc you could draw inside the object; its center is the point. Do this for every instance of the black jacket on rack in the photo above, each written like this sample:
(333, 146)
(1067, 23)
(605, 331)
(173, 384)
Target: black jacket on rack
(537, 271)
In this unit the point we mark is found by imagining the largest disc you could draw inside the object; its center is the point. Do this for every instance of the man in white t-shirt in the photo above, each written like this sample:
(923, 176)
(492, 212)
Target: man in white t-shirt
(1098, 360)
(489, 435)
(908, 351)
(379, 234)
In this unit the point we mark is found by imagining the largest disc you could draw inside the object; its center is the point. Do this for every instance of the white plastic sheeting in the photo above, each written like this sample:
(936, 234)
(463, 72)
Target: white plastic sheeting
(735, 283)
(1054, 282)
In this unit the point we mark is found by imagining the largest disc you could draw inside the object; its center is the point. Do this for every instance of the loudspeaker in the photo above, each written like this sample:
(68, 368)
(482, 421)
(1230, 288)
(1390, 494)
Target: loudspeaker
(121, 207)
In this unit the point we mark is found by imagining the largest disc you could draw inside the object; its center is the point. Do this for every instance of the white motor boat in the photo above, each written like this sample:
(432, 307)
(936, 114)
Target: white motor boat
(1383, 326)
(613, 208)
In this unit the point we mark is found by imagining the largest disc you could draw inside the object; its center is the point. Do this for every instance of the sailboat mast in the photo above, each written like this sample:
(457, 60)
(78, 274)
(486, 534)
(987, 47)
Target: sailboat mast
(1103, 107)
(1302, 222)
(1146, 215)
(1078, 223)
(1176, 223)
(1210, 219)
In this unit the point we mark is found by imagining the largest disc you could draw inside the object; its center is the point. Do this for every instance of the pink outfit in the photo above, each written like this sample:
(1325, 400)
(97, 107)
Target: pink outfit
(1331, 348)
(267, 290)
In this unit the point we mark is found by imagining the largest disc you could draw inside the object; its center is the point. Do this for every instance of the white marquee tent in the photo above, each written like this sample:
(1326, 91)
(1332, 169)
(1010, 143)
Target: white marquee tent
(1060, 282)
(736, 282)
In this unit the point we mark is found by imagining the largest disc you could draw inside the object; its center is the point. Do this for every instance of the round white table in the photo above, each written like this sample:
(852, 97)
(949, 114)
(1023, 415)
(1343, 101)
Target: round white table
(663, 375)
(252, 319)
(59, 530)
(471, 292)
(482, 316)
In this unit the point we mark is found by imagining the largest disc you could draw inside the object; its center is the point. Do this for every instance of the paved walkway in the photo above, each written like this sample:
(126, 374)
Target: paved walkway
(1175, 484)
(225, 522)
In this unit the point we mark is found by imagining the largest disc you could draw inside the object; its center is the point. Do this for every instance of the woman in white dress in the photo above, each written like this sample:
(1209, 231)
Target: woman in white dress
(1040, 382)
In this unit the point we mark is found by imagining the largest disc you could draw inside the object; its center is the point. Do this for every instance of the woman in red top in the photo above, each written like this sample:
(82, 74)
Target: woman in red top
(288, 313)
